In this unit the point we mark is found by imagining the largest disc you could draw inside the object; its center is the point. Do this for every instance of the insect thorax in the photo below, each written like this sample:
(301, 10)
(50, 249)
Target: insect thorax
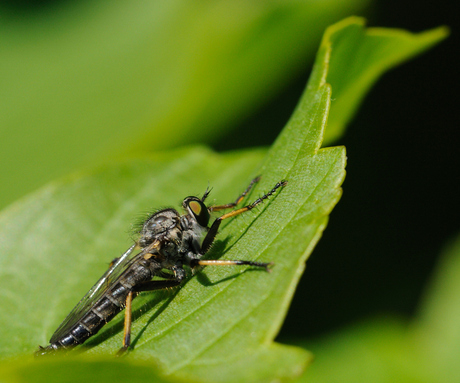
(158, 227)
(180, 236)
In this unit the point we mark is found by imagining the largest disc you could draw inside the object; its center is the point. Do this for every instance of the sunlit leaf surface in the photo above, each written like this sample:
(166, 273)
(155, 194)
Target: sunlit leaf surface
(221, 324)
(72, 229)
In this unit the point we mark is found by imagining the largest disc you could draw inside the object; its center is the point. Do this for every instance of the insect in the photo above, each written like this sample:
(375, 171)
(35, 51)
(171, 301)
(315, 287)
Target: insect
(167, 242)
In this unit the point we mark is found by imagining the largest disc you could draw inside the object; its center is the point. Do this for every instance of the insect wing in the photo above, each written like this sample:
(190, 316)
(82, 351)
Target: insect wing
(94, 294)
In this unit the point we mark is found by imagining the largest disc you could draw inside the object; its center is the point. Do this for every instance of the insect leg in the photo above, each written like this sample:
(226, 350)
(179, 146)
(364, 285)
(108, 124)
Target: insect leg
(209, 239)
(218, 262)
(147, 286)
(128, 321)
(238, 200)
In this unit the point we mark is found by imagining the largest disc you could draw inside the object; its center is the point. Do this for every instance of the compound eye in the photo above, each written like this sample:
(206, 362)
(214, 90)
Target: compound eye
(199, 211)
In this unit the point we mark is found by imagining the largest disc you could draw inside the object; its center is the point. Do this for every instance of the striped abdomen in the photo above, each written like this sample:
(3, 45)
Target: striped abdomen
(109, 305)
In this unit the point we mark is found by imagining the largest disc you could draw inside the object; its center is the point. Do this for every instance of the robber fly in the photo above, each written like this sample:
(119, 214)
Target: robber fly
(167, 241)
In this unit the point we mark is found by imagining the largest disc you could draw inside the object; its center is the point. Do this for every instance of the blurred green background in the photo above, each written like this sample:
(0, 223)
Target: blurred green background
(83, 83)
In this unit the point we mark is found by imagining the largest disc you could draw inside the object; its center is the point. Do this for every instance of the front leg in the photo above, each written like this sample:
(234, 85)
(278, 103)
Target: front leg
(238, 200)
(212, 233)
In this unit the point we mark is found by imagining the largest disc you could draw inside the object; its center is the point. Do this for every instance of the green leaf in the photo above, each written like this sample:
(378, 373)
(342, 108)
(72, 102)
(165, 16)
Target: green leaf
(221, 324)
(87, 81)
(67, 225)
(61, 231)
(360, 56)
(76, 370)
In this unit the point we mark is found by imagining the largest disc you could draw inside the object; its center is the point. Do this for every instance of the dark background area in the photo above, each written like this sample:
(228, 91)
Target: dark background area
(401, 194)
(400, 205)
